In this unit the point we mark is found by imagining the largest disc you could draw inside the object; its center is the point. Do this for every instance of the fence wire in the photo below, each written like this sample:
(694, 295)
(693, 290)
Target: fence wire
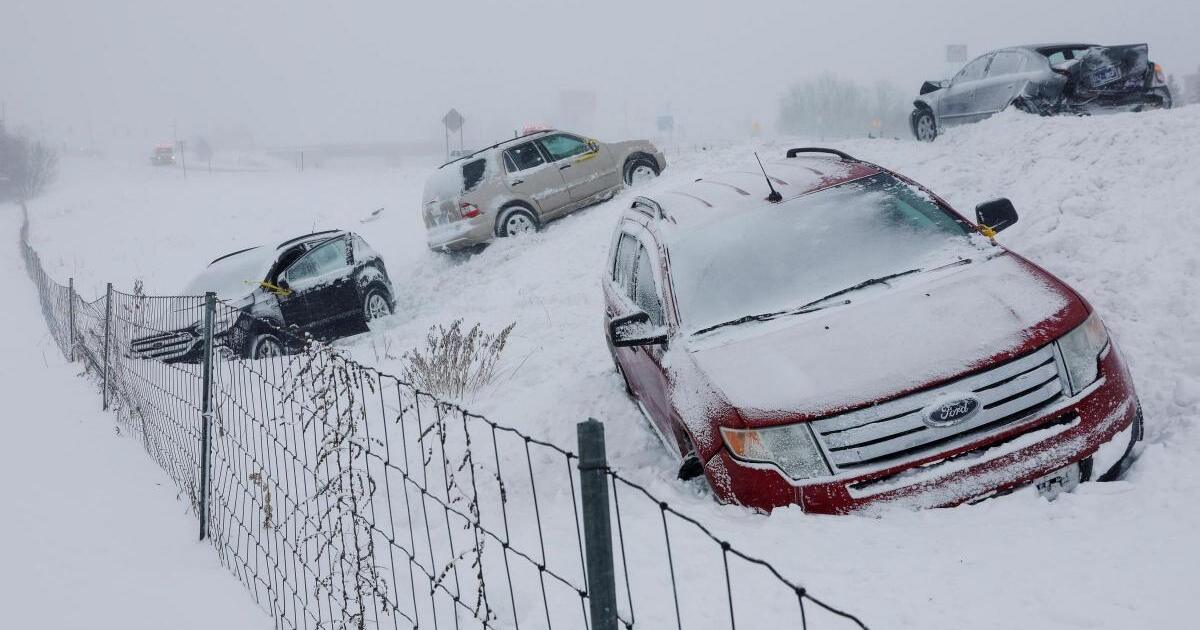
(343, 497)
(736, 589)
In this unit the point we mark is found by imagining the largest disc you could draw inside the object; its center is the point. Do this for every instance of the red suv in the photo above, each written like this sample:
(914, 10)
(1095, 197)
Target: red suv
(830, 334)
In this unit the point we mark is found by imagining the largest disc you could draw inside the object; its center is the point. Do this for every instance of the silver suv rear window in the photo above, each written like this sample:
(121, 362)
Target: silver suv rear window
(472, 173)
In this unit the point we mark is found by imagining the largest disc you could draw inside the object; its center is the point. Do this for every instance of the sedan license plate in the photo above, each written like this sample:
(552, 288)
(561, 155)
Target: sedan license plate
(1107, 74)
(1062, 480)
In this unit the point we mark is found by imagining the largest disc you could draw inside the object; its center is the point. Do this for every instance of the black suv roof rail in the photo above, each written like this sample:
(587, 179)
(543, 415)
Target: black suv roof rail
(240, 251)
(845, 156)
(306, 236)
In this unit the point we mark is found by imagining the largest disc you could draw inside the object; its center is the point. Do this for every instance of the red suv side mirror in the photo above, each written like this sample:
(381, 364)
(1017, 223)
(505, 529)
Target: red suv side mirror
(636, 329)
(996, 214)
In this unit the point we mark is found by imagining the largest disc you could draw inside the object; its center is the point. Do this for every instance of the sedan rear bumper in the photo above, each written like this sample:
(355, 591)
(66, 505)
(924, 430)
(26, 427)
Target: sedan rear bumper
(1096, 426)
(1135, 100)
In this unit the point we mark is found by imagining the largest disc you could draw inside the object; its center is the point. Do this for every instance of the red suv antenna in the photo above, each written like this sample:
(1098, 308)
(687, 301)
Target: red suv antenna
(774, 197)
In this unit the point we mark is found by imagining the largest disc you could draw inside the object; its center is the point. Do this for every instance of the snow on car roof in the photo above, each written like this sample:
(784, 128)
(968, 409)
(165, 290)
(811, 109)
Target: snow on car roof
(233, 275)
(237, 273)
(711, 198)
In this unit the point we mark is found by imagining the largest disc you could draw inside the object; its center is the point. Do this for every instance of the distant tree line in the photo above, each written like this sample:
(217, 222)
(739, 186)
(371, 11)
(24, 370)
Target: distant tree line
(26, 166)
(831, 106)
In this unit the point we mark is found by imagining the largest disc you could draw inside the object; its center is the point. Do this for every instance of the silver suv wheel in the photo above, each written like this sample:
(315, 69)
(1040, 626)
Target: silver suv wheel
(641, 174)
(640, 170)
(518, 223)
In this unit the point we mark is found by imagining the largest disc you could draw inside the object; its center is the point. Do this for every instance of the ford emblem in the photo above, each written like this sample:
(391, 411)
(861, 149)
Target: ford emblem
(952, 410)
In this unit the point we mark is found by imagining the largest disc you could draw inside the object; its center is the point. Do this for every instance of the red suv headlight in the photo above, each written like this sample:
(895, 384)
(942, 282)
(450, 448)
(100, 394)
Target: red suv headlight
(1081, 350)
(792, 448)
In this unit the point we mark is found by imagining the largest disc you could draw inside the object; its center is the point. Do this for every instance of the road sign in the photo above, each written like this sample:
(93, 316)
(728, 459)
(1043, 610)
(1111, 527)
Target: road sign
(956, 53)
(453, 120)
(666, 123)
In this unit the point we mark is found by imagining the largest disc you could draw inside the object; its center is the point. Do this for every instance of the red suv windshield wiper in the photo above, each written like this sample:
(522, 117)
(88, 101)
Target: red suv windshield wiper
(810, 307)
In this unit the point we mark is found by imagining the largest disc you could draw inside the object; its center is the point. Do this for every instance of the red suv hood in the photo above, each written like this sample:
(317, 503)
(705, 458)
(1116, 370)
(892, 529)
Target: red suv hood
(887, 342)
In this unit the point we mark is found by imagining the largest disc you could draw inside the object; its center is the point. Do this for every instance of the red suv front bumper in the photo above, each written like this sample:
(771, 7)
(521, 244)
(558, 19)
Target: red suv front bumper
(1101, 419)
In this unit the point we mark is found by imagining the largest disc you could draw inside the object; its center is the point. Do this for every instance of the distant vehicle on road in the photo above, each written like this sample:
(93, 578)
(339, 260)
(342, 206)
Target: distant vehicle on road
(516, 186)
(851, 342)
(327, 284)
(1042, 79)
(164, 155)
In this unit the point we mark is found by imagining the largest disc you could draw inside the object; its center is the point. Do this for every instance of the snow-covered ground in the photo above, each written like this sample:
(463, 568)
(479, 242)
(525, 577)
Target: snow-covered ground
(1107, 203)
(93, 534)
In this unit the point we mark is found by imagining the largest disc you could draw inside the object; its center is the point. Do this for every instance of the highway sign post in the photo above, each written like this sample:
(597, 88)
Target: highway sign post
(453, 121)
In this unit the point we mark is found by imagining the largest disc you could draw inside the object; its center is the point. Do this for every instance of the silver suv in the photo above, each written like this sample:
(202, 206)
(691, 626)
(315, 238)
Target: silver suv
(518, 185)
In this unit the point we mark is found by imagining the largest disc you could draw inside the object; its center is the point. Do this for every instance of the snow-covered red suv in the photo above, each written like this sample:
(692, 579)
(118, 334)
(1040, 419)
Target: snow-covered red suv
(842, 339)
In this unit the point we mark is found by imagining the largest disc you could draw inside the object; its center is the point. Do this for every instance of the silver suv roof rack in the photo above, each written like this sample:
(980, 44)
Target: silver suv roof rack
(506, 140)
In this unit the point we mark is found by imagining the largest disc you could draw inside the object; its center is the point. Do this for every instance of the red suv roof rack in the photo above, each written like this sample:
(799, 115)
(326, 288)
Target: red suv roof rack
(845, 156)
(649, 207)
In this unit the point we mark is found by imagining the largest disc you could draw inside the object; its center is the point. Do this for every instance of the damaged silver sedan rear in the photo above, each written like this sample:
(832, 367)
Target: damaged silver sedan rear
(1042, 79)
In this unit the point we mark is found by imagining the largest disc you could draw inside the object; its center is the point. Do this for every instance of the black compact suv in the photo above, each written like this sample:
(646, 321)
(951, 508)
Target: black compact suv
(326, 284)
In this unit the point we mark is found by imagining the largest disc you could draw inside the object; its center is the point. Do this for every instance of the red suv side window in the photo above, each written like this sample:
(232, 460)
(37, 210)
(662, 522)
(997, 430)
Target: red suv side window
(645, 291)
(627, 249)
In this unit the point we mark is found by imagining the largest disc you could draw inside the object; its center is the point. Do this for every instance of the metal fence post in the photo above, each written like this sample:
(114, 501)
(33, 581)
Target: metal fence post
(597, 526)
(107, 334)
(71, 319)
(210, 305)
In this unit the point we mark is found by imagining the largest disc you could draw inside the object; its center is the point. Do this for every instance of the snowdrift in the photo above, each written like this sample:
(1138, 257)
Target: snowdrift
(1107, 203)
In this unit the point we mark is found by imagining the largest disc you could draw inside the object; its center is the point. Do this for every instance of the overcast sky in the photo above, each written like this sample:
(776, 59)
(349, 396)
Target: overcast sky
(304, 71)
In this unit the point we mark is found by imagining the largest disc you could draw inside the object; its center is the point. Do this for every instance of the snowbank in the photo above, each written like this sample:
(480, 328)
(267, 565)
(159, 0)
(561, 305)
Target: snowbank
(93, 533)
(1106, 203)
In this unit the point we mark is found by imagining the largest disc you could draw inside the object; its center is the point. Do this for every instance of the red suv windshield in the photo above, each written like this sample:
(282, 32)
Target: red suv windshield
(786, 255)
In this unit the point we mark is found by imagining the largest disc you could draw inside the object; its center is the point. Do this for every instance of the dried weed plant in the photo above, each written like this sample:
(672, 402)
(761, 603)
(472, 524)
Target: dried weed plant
(454, 364)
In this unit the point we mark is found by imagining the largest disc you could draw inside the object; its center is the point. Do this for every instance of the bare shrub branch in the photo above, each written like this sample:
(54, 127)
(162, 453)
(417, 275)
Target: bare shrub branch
(453, 363)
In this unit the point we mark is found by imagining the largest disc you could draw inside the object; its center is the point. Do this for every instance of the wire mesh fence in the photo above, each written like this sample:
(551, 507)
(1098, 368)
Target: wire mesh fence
(734, 589)
(343, 497)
